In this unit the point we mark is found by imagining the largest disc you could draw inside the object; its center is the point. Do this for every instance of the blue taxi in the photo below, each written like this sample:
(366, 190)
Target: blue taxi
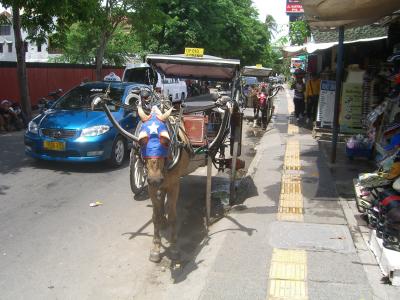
(71, 131)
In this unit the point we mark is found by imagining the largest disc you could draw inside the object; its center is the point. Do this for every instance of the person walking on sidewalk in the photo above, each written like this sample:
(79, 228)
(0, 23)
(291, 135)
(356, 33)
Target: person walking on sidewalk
(312, 96)
(299, 89)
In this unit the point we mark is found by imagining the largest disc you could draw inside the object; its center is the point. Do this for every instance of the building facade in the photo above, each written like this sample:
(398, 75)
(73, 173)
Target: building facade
(34, 52)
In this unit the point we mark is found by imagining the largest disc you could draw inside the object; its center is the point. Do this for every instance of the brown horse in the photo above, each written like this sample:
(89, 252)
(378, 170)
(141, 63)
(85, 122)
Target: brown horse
(163, 180)
(163, 183)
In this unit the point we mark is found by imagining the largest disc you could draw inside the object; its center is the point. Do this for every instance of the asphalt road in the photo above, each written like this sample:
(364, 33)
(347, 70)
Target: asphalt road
(53, 245)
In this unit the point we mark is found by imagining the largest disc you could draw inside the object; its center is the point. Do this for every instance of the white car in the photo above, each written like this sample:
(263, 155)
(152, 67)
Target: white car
(173, 88)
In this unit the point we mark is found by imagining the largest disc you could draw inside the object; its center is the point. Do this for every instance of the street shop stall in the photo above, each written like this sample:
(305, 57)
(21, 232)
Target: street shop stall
(367, 106)
(378, 193)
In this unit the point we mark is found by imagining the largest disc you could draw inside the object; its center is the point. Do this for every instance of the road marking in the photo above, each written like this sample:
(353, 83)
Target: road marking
(288, 275)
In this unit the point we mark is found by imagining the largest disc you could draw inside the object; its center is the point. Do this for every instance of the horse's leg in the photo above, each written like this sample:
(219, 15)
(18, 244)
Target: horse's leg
(264, 117)
(173, 194)
(164, 222)
(157, 202)
(255, 115)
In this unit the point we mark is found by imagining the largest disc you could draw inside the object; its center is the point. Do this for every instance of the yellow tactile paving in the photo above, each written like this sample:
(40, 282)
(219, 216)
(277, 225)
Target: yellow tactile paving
(288, 271)
(292, 129)
(291, 200)
(289, 255)
(290, 103)
(288, 275)
(292, 156)
(287, 290)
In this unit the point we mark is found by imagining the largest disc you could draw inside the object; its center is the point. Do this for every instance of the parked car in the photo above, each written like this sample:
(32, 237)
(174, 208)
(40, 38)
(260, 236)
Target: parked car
(71, 131)
(172, 88)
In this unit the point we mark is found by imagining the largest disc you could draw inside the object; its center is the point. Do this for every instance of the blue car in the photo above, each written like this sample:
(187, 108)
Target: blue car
(71, 131)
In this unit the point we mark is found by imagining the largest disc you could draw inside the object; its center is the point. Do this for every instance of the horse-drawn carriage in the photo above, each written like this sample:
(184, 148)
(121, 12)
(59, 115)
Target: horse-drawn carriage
(173, 139)
(260, 95)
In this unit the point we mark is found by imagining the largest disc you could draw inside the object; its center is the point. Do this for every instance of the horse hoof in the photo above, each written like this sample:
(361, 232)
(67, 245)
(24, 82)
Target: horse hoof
(155, 256)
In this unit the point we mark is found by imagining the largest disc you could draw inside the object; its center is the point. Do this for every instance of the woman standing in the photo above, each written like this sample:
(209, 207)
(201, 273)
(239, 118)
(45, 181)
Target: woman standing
(299, 89)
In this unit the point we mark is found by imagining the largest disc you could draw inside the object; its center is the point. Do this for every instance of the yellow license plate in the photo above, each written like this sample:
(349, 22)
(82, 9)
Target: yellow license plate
(56, 146)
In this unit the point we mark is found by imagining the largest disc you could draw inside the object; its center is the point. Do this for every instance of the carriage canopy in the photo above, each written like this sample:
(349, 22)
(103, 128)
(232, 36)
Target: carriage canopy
(254, 71)
(205, 68)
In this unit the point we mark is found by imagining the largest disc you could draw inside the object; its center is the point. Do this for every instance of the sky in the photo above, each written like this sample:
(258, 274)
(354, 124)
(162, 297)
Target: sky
(276, 8)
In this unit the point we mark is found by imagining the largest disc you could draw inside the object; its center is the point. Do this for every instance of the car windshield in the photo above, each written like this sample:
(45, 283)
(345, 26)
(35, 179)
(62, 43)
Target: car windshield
(81, 98)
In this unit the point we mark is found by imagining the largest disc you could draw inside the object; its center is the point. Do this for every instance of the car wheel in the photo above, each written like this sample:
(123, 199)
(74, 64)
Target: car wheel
(137, 173)
(118, 152)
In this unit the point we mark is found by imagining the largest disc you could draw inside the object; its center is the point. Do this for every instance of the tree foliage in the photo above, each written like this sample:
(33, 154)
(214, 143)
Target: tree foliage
(81, 42)
(298, 32)
(227, 28)
(104, 35)
(38, 18)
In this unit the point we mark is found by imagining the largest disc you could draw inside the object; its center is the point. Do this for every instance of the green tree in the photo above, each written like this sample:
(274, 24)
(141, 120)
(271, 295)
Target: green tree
(106, 28)
(298, 32)
(81, 42)
(228, 28)
(39, 19)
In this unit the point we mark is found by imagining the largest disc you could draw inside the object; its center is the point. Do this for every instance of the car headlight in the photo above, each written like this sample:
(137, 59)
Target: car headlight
(95, 130)
(33, 127)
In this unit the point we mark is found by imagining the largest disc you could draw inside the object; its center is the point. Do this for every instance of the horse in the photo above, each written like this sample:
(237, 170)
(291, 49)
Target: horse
(258, 98)
(261, 100)
(163, 179)
(162, 182)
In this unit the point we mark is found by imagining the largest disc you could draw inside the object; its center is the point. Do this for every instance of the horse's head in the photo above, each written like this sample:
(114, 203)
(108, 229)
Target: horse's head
(154, 143)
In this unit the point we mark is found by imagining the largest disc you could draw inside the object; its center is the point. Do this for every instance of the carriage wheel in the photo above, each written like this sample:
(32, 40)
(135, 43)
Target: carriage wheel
(137, 172)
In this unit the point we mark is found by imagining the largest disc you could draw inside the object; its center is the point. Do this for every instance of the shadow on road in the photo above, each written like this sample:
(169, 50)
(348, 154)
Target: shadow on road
(3, 188)
(69, 168)
(139, 232)
(192, 232)
(12, 153)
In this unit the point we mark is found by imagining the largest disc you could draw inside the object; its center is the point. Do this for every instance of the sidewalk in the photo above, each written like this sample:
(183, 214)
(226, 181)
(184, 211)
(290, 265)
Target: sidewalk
(294, 238)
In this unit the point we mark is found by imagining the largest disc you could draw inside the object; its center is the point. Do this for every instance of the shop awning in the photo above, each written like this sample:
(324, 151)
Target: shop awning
(348, 13)
(313, 47)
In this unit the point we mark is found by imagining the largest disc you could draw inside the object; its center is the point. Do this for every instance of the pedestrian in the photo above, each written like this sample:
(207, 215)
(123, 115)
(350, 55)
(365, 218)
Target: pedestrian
(312, 96)
(299, 89)
(8, 117)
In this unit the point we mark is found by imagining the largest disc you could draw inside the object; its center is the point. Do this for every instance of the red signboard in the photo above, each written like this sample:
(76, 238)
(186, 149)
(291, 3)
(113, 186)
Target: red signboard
(294, 7)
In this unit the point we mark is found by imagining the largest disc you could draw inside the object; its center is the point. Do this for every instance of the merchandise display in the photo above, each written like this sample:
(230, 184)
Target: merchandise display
(378, 193)
(359, 145)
